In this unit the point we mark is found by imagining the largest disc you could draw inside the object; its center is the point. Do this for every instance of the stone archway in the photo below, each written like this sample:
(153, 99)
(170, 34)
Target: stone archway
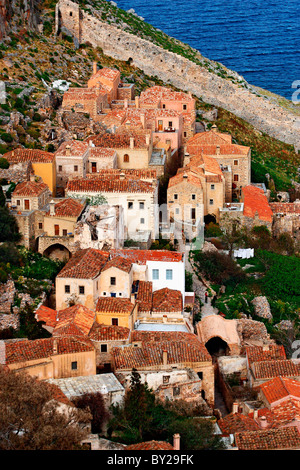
(216, 346)
(208, 218)
(57, 251)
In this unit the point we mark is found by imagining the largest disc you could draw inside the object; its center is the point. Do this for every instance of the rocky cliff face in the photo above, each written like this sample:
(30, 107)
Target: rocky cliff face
(12, 11)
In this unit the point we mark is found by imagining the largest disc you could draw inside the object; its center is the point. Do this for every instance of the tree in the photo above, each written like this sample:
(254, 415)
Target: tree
(29, 326)
(94, 402)
(4, 163)
(31, 419)
(2, 197)
(9, 230)
(233, 235)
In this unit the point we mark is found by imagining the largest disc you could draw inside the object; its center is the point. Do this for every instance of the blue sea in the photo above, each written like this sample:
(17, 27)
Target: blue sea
(258, 39)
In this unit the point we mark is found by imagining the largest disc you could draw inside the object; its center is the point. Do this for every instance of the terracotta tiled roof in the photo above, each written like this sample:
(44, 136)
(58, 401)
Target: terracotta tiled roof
(167, 300)
(118, 262)
(22, 351)
(84, 264)
(142, 173)
(150, 445)
(78, 316)
(158, 93)
(280, 388)
(181, 348)
(58, 395)
(81, 94)
(101, 185)
(284, 438)
(68, 208)
(106, 72)
(285, 208)
(109, 333)
(258, 353)
(185, 176)
(29, 188)
(115, 141)
(76, 148)
(144, 296)
(210, 164)
(236, 422)
(210, 138)
(47, 315)
(255, 201)
(99, 152)
(32, 155)
(275, 368)
(142, 256)
(114, 305)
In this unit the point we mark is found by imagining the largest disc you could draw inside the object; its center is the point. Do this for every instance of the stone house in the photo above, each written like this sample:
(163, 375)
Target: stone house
(105, 338)
(166, 352)
(71, 161)
(162, 305)
(43, 164)
(139, 200)
(116, 311)
(107, 79)
(90, 101)
(57, 240)
(49, 358)
(116, 278)
(78, 281)
(234, 160)
(286, 218)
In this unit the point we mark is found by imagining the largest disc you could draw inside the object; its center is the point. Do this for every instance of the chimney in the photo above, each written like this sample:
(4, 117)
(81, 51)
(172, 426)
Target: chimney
(176, 441)
(165, 357)
(214, 128)
(143, 120)
(132, 299)
(255, 414)
(263, 422)
(137, 102)
(148, 139)
(218, 150)
(122, 176)
(32, 178)
(68, 150)
(235, 407)
(185, 177)
(131, 142)
(55, 349)
(94, 67)
(126, 103)
(52, 207)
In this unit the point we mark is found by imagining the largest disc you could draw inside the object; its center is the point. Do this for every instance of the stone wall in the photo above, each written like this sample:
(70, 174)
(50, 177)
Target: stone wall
(179, 71)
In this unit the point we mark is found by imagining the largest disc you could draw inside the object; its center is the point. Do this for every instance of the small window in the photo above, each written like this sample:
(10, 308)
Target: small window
(177, 210)
(142, 220)
(235, 177)
(75, 168)
(103, 348)
(169, 274)
(184, 134)
(74, 365)
(193, 197)
(94, 167)
(142, 205)
(40, 225)
(166, 379)
(115, 321)
(176, 391)
(211, 202)
(130, 205)
(176, 196)
(184, 106)
(71, 13)
(200, 375)
(112, 281)
(18, 202)
(126, 158)
(60, 168)
(65, 232)
(67, 289)
(236, 162)
(81, 290)
(120, 294)
(164, 106)
(193, 213)
(170, 124)
(155, 274)
(104, 294)
(212, 186)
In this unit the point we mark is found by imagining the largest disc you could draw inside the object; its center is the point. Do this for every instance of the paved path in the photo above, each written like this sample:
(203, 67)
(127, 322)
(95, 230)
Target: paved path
(198, 287)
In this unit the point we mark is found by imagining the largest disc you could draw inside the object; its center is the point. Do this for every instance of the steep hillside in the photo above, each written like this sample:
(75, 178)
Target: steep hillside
(32, 60)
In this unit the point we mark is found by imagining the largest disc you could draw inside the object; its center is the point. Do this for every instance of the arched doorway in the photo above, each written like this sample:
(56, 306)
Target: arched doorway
(210, 218)
(57, 252)
(216, 347)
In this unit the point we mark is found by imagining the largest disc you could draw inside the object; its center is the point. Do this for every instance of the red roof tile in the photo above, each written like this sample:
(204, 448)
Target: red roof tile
(280, 388)
(275, 368)
(120, 263)
(256, 202)
(142, 256)
(30, 189)
(167, 300)
(84, 264)
(271, 439)
(76, 148)
(47, 315)
(32, 155)
(77, 316)
(236, 422)
(144, 296)
(68, 208)
(258, 353)
(101, 185)
(150, 445)
(114, 305)
(101, 332)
